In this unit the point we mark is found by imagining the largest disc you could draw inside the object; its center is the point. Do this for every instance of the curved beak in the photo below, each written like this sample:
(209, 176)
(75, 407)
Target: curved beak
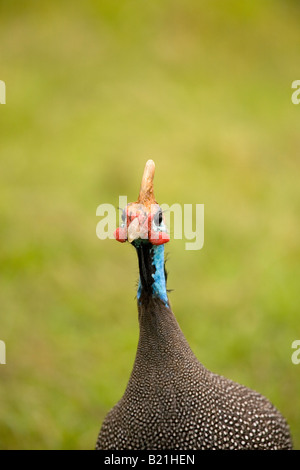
(135, 230)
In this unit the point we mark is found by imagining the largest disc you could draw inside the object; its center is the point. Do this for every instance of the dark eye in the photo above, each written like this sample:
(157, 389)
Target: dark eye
(158, 217)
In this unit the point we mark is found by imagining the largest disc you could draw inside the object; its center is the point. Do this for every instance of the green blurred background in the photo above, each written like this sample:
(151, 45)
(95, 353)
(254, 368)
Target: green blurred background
(94, 89)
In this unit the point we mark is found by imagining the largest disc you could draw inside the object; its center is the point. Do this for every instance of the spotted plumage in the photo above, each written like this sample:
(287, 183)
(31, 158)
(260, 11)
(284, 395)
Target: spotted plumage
(172, 401)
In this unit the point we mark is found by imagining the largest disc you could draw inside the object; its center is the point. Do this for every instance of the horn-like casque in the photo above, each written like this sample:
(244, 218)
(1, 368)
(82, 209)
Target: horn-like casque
(146, 196)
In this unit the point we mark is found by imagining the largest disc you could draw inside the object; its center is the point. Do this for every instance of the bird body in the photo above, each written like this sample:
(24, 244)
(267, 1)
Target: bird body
(172, 401)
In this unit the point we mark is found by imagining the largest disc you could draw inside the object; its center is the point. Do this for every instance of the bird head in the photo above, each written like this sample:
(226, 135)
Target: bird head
(143, 221)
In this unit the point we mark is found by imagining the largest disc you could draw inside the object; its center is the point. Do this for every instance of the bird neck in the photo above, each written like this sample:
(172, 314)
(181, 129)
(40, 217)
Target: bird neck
(161, 341)
(152, 281)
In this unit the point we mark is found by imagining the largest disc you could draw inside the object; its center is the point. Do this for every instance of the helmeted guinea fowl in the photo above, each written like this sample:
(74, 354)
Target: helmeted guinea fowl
(172, 401)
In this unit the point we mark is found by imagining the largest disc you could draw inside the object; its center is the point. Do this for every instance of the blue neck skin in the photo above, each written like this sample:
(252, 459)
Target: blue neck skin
(159, 289)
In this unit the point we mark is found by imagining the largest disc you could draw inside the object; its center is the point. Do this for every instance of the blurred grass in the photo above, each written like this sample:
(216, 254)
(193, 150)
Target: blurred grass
(93, 90)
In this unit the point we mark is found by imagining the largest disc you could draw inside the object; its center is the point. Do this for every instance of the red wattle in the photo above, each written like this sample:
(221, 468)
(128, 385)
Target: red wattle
(158, 238)
(120, 234)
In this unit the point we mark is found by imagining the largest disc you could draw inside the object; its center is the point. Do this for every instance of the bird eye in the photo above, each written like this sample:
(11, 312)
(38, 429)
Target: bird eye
(157, 219)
